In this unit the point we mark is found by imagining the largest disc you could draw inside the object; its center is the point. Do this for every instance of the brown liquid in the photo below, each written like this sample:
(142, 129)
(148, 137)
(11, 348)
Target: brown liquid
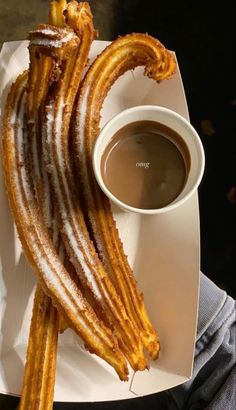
(145, 165)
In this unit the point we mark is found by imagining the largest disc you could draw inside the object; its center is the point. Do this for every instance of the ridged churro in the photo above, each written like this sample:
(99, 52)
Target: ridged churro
(123, 54)
(40, 366)
(36, 242)
(39, 375)
(58, 112)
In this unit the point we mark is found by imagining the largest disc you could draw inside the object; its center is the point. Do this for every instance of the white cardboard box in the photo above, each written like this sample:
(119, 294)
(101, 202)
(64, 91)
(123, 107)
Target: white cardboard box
(163, 249)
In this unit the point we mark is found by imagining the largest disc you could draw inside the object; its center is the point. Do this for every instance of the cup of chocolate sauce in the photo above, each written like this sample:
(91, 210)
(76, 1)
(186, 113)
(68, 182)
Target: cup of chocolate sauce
(148, 159)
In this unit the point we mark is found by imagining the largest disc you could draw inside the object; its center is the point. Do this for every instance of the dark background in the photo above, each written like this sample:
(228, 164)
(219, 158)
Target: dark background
(202, 35)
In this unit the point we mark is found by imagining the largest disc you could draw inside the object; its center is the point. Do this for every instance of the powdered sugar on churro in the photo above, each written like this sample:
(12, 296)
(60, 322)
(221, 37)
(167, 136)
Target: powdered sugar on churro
(77, 242)
(81, 121)
(51, 37)
(45, 42)
(24, 194)
(49, 265)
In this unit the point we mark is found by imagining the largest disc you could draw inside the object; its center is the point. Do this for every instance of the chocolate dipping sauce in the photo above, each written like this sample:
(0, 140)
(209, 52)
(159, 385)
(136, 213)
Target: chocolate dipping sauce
(145, 165)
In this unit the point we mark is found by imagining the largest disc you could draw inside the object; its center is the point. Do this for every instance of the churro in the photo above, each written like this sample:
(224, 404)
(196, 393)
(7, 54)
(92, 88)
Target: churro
(40, 366)
(123, 54)
(39, 375)
(58, 111)
(37, 243)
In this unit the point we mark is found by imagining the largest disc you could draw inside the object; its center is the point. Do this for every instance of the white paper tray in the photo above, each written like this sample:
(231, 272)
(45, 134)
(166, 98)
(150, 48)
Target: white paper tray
(164, 250)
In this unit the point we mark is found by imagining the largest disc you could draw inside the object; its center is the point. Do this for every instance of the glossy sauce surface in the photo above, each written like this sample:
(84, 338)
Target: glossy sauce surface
(145, 165)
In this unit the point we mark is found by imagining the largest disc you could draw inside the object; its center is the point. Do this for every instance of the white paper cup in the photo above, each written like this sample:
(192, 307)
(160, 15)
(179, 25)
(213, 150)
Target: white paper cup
(172, 120)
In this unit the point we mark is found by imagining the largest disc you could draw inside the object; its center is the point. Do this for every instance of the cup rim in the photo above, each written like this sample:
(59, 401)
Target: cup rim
(97, 163)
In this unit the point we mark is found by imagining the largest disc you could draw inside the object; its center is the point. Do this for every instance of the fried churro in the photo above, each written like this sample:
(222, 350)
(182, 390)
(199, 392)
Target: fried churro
(123, 54)
(39, 375)
(36, 242)
(106, 300)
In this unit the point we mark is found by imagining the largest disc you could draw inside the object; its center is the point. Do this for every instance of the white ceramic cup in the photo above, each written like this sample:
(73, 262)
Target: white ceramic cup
(172, 120)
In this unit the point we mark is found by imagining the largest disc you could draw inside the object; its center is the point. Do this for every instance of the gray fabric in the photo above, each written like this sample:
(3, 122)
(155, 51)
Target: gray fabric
(213, 382)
